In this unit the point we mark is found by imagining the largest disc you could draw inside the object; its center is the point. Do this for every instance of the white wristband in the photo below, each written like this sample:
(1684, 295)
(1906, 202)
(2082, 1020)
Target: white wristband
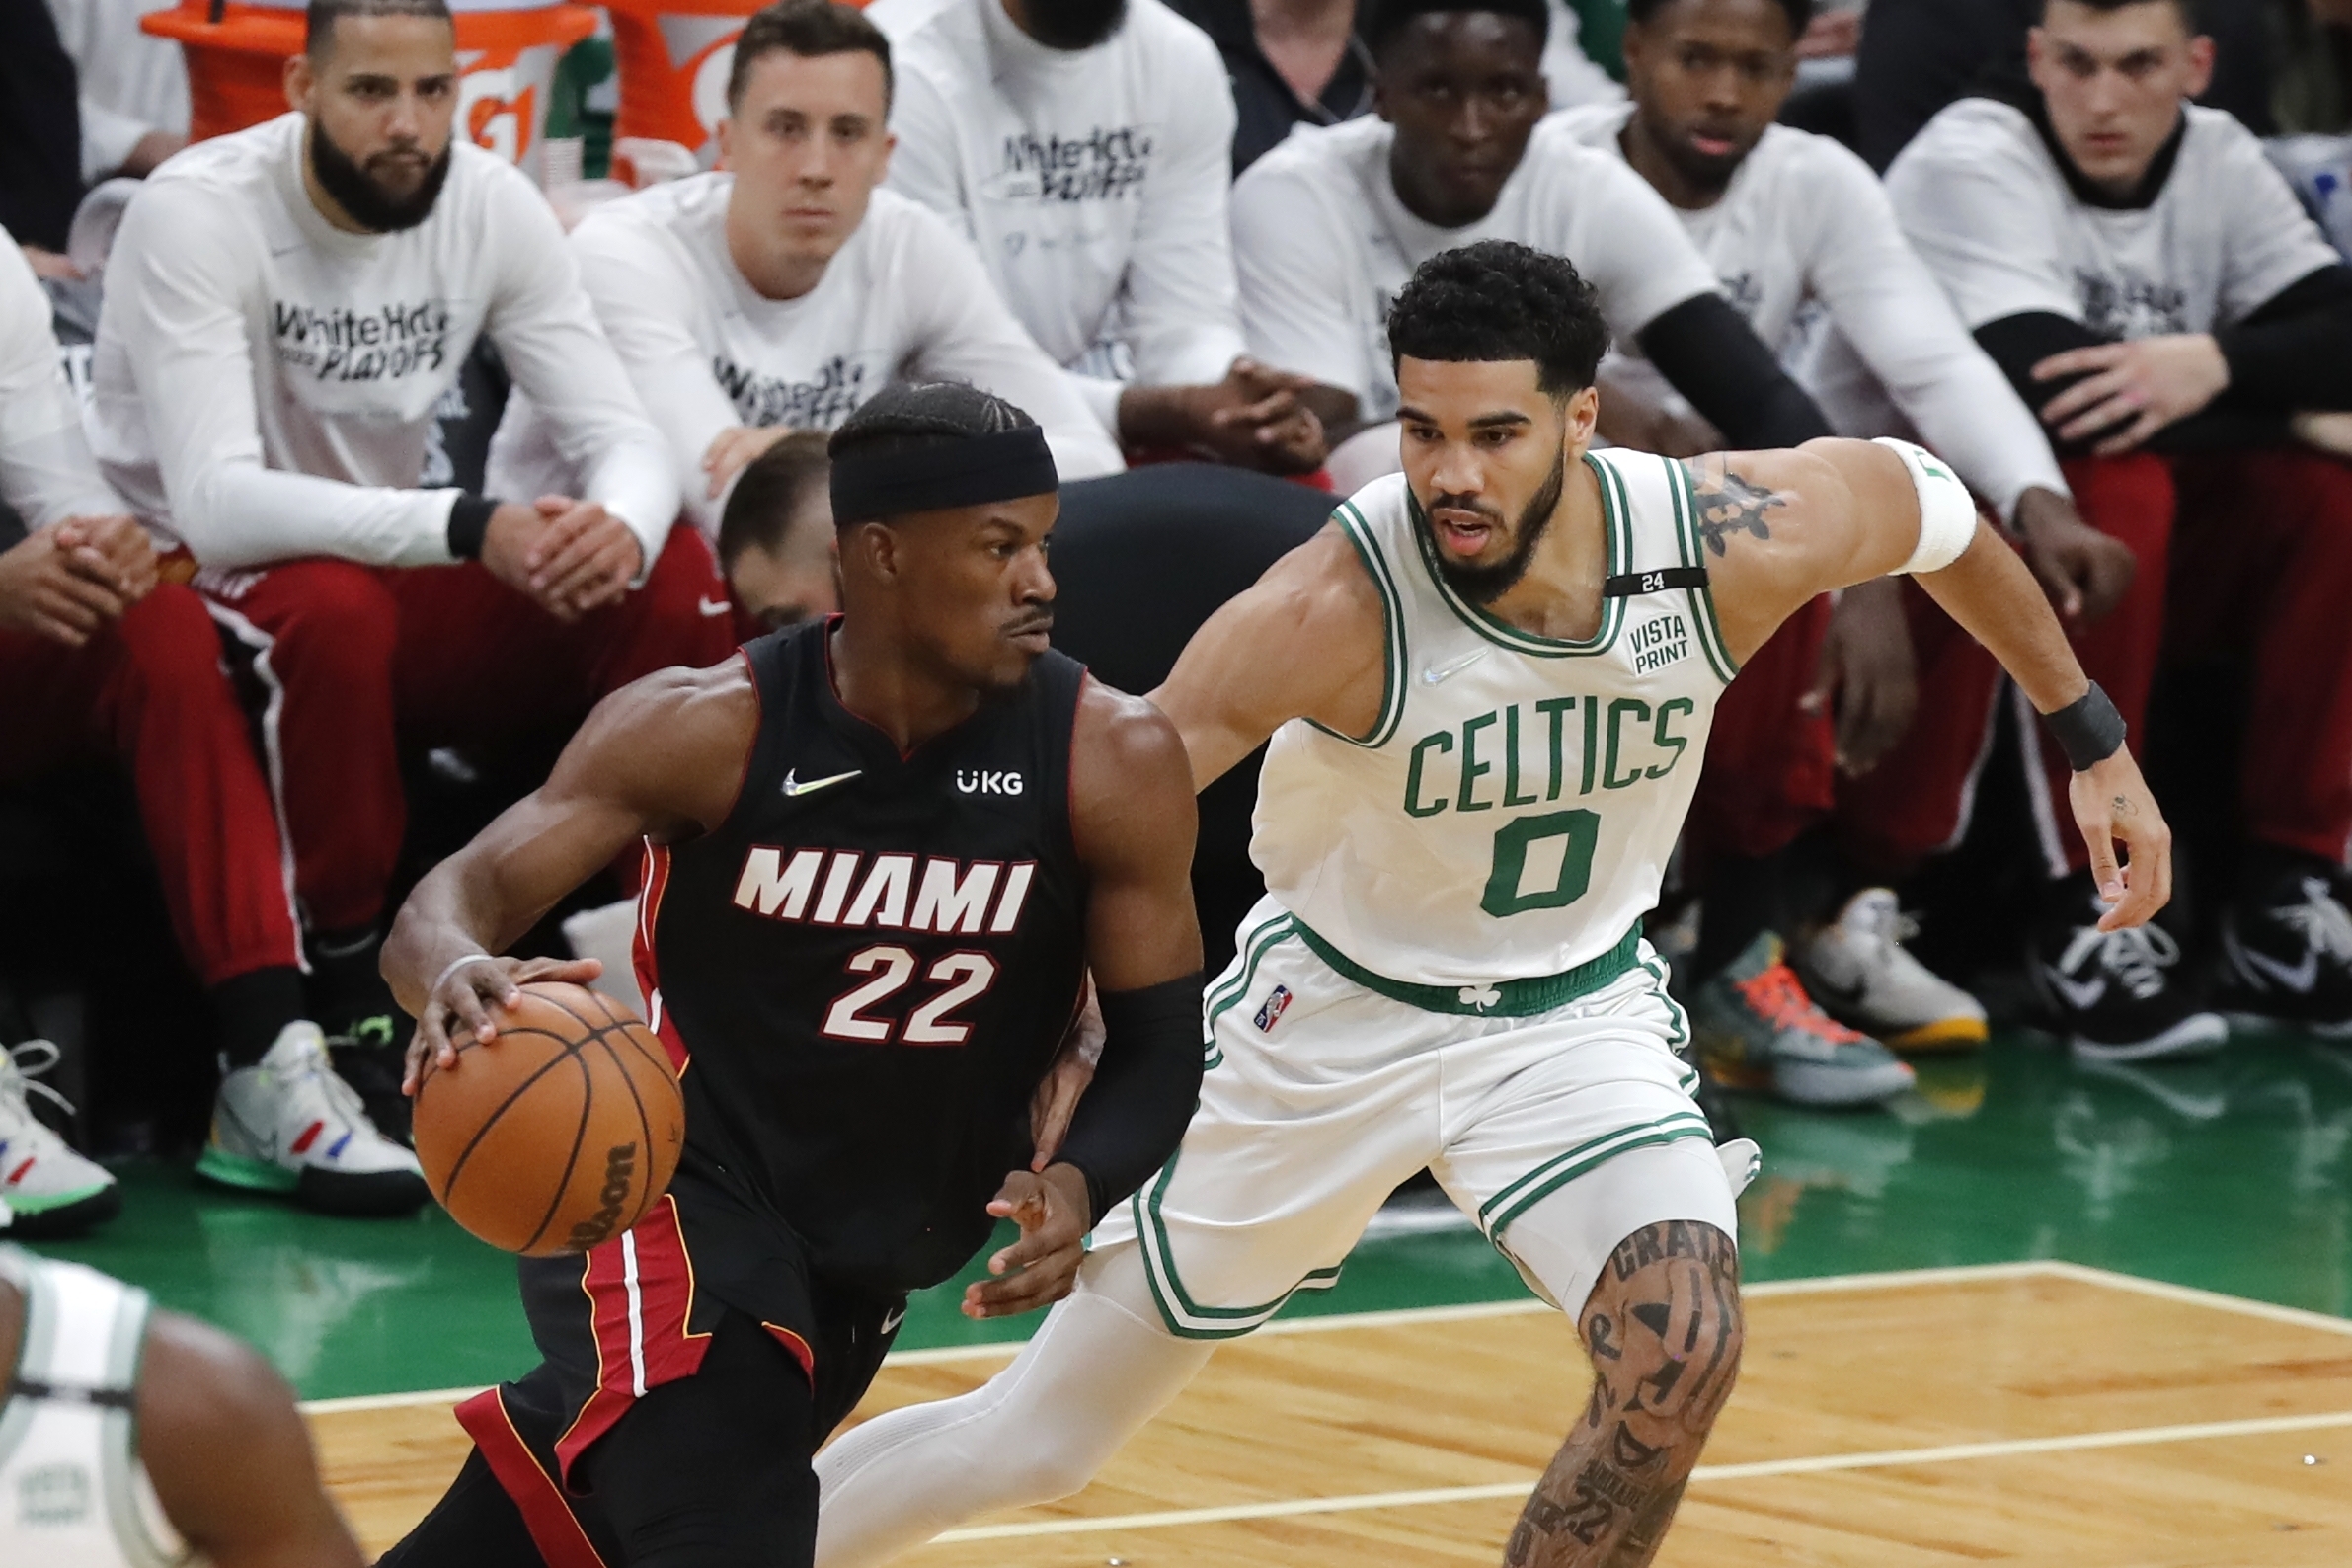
(1947, 512)
(454, 966)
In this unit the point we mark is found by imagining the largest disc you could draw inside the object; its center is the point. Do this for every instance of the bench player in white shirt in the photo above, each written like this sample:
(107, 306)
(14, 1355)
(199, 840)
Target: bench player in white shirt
(1084, 146)
(1806, 246)
(135, 1439)
(1488, 683)
(285, 307)
(2150, 285)
(782, 293)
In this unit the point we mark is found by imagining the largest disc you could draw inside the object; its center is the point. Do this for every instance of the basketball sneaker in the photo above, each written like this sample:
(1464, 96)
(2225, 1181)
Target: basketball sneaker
(46, 1190)
(1858, 969)
(2287, 956)
(2116, 994)
(1756, 1029)
(291, 1126)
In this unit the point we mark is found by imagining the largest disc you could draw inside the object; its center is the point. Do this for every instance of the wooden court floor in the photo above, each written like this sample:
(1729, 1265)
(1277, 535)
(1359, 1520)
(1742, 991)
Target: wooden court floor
(2020, 1414)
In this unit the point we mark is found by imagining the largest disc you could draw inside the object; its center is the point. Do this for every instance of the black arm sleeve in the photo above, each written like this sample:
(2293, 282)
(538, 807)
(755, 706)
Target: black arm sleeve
(1707, 351)
(2019, 342)
(2295, 352)
(1144, 1088)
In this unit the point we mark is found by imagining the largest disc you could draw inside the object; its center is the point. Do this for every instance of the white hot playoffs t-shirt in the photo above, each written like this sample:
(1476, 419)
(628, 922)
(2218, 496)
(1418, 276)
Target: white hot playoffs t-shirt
(1093, 183)
(904, 296)
(1324, 245)
(1804, 244)
(1990, 212)
(46, 471)
(265, 382)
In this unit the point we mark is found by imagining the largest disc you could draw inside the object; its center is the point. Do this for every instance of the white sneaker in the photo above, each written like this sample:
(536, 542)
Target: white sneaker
(291, 1126)
(46, 1190)
(1860, 973)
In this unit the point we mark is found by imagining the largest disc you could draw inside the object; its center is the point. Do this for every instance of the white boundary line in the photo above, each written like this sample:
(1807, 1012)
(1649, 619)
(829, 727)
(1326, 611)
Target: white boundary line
(1814, 1464)
(1889, 1279)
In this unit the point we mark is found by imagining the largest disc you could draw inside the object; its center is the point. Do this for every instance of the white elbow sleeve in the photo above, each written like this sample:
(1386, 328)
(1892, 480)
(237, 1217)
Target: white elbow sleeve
(1947, 512)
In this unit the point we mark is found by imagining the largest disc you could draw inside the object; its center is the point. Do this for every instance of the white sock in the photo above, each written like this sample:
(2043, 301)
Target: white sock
(1100, 1366)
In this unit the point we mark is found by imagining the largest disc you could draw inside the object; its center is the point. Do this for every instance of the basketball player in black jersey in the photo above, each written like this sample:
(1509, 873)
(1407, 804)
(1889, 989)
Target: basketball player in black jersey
(882, 850)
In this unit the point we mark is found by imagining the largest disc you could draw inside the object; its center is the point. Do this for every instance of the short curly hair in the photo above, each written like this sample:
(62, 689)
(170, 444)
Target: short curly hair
(1501, 300)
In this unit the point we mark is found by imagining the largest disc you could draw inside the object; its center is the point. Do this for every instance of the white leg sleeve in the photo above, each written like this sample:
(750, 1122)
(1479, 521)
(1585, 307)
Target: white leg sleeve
(1101, 1365)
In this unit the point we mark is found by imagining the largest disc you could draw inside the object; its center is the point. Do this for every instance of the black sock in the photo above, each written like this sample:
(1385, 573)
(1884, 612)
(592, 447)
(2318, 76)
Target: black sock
(345, 980)
(1742, 900)
(253, 1009)
(2263, 869)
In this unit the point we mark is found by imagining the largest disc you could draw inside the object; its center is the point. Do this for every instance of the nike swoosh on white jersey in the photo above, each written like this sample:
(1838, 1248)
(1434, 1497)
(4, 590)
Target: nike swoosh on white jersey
(1453, 667)
(793, 786)
(714, 606)
(2080, 995)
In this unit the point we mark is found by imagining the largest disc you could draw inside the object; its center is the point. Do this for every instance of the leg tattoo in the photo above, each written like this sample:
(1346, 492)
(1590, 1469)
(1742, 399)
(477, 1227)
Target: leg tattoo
(1664, 1331)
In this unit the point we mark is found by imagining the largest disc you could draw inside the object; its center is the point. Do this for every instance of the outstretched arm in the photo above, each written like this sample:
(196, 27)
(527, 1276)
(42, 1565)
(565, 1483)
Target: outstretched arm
(1306, 641)
(229, 1457)
(1131, 814)
(1780, 528)
(661, 759)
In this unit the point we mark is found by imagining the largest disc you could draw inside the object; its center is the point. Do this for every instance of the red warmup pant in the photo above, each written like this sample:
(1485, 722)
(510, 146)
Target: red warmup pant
(1771, 769)
(353, 655)
(150, 690)
(2242, 555)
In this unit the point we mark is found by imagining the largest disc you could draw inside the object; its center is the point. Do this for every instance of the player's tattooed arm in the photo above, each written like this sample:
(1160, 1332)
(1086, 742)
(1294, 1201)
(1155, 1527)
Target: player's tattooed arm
(1730, 504)
(1663, 1332)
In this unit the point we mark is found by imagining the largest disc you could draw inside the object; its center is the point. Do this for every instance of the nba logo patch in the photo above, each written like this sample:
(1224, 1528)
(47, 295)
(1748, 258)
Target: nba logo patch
(1275, 1006)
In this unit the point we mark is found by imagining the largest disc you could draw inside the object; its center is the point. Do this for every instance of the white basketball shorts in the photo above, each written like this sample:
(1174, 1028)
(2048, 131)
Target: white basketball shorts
(1323, 1096)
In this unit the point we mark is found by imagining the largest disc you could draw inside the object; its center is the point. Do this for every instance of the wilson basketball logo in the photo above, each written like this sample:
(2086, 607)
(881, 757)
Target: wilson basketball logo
(621, 1165)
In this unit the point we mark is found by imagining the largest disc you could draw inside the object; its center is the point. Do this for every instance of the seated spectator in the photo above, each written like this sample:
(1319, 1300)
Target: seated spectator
(1290, 63)
(1329, 226)
(1074, 142)
(2148, 282)
(776, 535)
(1918, 55)
(781, 293)
(133, 87)
(1804, 241)
(285, 307)
(97, 658)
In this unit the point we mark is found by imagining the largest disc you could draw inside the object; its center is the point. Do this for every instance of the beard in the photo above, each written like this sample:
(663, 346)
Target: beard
(359, 194)
(1071, 24)
(1483, 584)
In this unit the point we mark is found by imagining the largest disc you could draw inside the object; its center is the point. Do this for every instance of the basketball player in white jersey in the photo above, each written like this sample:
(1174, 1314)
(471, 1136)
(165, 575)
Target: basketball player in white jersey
(131, 1438)
(1487, 685)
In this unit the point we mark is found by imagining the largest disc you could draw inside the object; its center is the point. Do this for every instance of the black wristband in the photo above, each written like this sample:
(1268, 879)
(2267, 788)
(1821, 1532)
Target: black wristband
(2088, 729)
(1144, 1088)
(469, 525)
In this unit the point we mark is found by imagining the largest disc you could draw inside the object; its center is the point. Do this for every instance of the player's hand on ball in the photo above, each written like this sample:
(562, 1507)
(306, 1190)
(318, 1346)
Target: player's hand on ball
(1039, 1268)
(2112, 806)
(461, 1003)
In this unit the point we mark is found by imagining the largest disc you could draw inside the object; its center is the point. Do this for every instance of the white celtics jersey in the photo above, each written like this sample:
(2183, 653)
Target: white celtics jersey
(1510, 814)
(73, 1491)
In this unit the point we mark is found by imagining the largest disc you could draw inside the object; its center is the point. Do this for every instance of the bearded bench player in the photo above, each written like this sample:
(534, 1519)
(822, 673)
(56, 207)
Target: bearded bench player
(1488, 683)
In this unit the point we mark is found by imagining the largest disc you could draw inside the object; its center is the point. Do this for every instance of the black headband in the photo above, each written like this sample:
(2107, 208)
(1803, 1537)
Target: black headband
(971, 472)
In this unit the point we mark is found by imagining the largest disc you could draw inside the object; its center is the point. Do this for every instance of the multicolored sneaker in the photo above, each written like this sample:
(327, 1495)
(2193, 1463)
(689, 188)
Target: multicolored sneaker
(46, 1190)
(1859, 972)
(291, 1126)
(2289, 956)
(1756, 1028)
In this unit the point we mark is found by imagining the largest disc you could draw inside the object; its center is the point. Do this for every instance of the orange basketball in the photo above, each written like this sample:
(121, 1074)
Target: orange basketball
(557, 1133)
